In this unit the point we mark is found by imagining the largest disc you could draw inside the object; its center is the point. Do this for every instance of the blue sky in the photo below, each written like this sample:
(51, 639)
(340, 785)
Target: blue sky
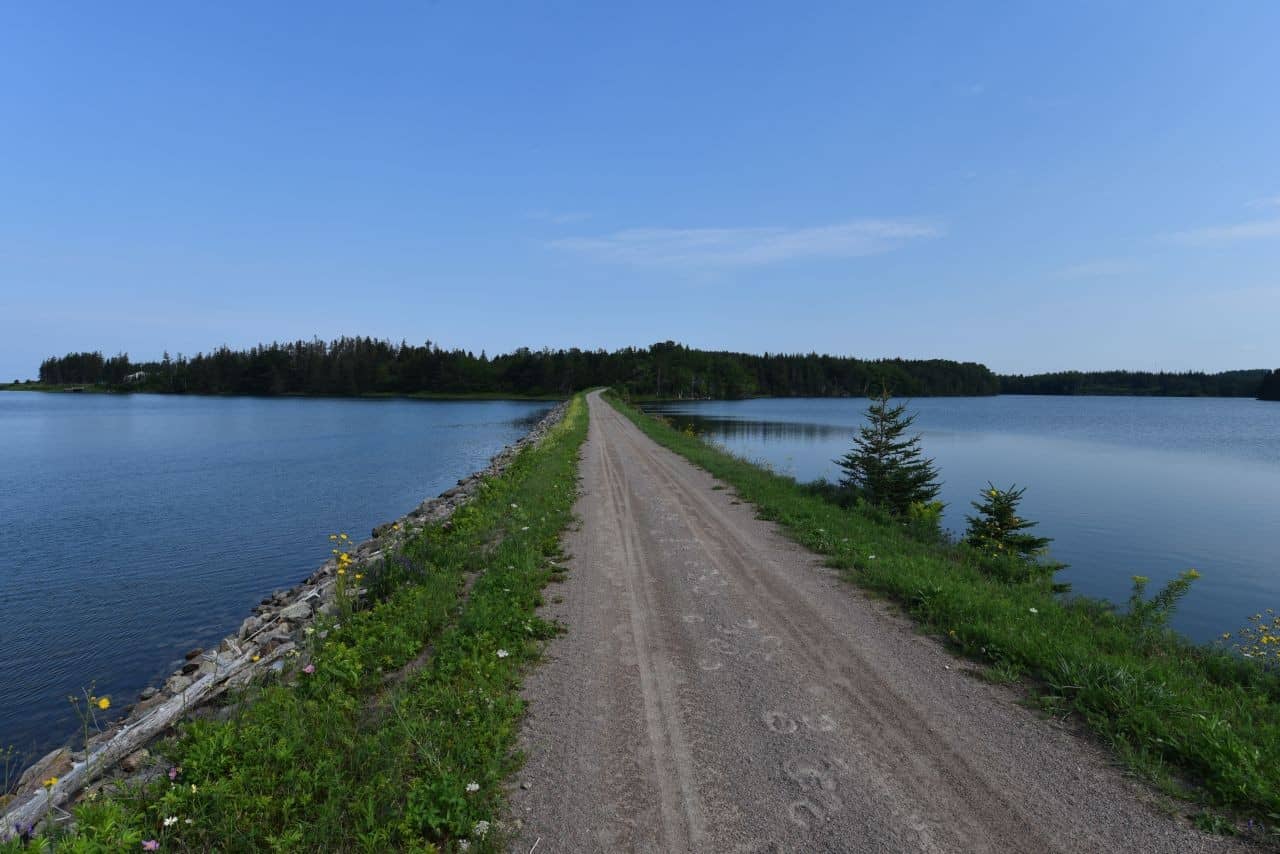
(1033, 186)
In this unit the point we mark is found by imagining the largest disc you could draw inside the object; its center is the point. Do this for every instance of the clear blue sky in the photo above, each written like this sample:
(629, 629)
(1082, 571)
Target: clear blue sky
(1034, 186)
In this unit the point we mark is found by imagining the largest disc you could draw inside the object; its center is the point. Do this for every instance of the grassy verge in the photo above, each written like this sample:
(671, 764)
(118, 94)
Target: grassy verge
(1197, 721)
(395, 726)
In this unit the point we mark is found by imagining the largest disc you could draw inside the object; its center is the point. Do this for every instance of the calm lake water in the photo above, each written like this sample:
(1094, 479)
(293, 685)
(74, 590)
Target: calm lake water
(1125, 485)
(137, 527)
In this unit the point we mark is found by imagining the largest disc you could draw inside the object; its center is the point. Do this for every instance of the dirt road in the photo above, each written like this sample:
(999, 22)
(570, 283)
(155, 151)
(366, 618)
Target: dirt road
(718, 690)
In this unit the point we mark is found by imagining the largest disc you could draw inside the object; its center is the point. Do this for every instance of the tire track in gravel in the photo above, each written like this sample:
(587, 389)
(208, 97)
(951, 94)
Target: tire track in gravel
(718, 690)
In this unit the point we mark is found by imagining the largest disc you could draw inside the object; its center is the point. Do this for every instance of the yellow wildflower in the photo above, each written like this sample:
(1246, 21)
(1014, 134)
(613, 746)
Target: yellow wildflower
(359, 575)
(104, 703)
(341, 571)
(333, 536)
(342, 536)
(51, 782)
(1192, 573)
(256, 658)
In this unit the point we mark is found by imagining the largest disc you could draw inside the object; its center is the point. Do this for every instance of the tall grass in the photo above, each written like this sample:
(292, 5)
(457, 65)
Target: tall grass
(1199, 722)
(394, 728)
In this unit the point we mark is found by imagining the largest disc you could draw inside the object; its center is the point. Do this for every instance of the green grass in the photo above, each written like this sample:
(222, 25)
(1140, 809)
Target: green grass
(1199, 722)
(366, 754)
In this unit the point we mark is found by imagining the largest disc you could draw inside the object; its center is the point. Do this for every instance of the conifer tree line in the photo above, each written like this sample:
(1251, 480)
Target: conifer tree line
(1187, 384)
(355, 366)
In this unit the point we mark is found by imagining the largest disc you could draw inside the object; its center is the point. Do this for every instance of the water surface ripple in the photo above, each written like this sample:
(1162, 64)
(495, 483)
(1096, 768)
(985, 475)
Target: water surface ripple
(137, 527)
(1125, 485)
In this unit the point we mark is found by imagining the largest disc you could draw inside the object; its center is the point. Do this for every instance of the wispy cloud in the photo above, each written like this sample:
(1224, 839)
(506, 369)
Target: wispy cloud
(749, 247)
(559, 217)
(1262, 229)
(1100, 268)
(1268, 202)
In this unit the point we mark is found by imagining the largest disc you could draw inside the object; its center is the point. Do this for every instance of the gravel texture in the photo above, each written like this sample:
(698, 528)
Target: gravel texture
(719, 690)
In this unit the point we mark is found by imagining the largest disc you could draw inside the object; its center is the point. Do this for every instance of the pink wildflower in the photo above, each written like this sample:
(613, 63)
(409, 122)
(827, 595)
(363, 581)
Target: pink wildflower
(310, 668)
(174, 772)
(150, 845)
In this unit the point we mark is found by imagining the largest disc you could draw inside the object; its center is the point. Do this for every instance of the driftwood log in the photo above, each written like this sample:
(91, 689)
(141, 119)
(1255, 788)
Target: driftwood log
(268, 636)
(134, 736)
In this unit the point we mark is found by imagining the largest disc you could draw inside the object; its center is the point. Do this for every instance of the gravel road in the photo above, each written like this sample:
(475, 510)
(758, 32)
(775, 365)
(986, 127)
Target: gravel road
(719, 690)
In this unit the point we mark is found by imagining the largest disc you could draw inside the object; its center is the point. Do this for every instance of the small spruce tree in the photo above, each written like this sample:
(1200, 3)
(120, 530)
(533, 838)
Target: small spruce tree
(998, 528)
(885, 467)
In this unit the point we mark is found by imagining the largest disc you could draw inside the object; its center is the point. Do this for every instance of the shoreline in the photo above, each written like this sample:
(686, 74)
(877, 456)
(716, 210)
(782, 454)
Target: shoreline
(478, 396)
(273, 629)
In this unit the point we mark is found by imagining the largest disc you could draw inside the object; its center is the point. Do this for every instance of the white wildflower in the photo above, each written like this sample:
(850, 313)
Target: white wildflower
(481, 828)
(170, 821)
(473, 786)
(464, 845)
(525, 528)
(871, 557)
(1033, 610)
(502, 653)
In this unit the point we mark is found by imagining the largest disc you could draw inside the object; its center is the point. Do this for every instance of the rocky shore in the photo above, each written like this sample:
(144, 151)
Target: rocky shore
(261, 644)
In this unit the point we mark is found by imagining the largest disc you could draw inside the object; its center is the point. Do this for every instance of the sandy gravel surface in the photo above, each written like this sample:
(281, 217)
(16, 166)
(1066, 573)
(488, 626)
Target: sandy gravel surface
(718, 690)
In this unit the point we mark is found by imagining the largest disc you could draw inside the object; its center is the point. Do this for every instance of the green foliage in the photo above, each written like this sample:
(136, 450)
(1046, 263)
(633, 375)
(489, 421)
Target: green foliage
(1152, 615)
(1166, 706)
(366, 366)
(997, 528)
(408, 702)
(1269, 388)
(886, 467)
(1000, 540)
(1187, 384)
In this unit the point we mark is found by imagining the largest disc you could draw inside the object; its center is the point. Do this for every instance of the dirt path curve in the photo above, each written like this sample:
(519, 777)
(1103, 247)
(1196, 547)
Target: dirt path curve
(718, 690)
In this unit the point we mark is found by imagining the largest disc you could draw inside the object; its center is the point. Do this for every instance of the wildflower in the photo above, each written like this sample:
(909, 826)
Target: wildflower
(1033, 610)
(342, 536)
(188, 821)
(473, 786)
(309, 669)
(464, 845)
(309, 630)
(359, 575)
(342, 570)
(871, 557)
(502, 653)
(1192, 573)
(333, 537)
(104, 703)
(1226, 635)
(481, 828)
(174, 772)
(150, 845)
(525, 528)
(515, 506)
(193, 788)
(256, 657)
(51, 782)
(170, 821)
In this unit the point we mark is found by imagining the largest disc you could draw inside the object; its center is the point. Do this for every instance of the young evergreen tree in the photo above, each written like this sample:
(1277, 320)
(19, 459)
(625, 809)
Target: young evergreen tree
(999, 529)
(885, 466)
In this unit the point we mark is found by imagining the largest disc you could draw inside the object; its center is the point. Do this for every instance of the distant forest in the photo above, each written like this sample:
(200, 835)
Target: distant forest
(1270, 388)
(1189, 384)
(364, 366)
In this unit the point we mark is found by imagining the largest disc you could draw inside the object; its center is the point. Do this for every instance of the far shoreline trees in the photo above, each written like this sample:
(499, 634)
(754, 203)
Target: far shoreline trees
(367, 366)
